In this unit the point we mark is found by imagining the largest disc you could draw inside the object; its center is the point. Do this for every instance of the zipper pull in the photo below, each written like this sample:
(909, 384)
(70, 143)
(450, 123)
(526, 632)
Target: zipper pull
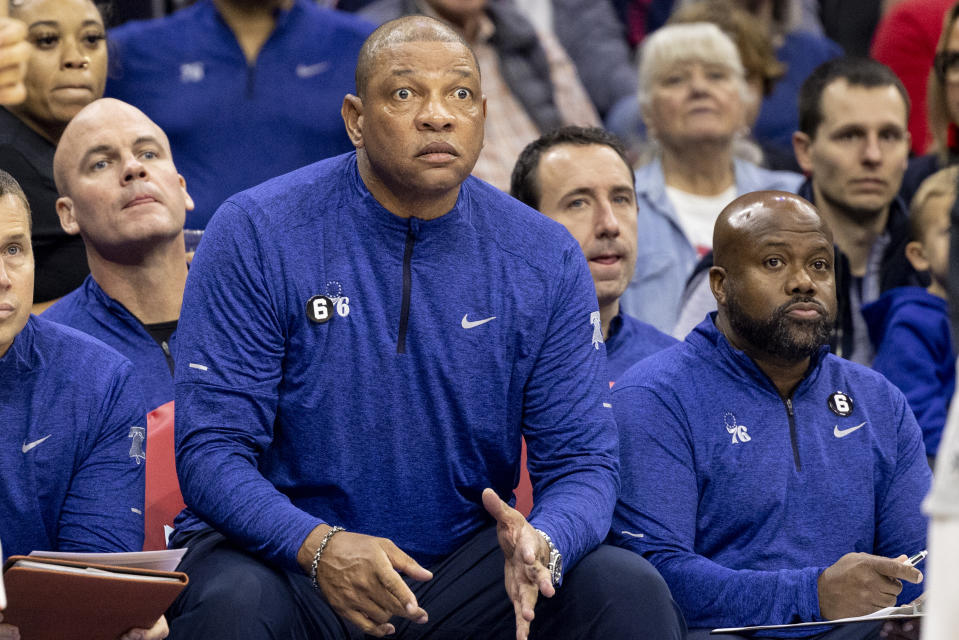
(789, 407)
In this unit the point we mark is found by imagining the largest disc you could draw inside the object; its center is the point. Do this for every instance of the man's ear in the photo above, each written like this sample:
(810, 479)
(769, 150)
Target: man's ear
(187, 200)
(717, 284)
(802, 147)
(916, 256)
(352, 112)
(68, 219)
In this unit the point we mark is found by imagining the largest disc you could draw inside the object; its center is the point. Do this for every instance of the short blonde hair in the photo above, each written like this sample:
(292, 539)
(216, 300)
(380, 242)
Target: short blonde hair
(681, 43)
(941, 183)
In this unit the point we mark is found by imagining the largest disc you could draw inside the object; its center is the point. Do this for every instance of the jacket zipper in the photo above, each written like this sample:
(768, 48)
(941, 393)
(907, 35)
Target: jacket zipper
(792, 432)
(168, 355)
(407, 285)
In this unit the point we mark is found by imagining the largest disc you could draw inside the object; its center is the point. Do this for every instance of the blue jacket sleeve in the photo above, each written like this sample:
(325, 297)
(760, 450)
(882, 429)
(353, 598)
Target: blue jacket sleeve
(909, 357)
(900, 525)
(656, 517)
(230, 346)
(103, 507)
(571, 437)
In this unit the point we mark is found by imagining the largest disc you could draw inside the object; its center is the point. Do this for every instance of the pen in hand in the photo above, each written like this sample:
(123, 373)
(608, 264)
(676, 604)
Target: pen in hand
(916, 559)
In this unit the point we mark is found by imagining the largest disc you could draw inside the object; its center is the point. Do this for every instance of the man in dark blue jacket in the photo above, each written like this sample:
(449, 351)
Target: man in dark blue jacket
(121, 192)
(72, 436)
(774, 483)
(363, 344)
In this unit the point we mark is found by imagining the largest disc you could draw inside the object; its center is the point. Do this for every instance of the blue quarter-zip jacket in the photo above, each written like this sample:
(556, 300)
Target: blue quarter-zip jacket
(89, 309)
(72, 444)
(337, 363)
(630, 340)
(741, 499)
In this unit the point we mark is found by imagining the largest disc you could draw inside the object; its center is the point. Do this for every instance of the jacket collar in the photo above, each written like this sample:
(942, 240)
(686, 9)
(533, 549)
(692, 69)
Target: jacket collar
(710, 342)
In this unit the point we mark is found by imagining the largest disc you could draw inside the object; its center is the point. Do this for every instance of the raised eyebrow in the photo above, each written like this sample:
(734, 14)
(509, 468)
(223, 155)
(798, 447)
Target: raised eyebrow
(463, 72)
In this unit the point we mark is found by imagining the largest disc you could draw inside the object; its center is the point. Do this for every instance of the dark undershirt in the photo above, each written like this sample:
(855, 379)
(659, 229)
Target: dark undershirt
(161, 332)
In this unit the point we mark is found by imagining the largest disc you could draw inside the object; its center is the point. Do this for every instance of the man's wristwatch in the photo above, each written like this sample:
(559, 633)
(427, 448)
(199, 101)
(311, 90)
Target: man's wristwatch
(555, 565)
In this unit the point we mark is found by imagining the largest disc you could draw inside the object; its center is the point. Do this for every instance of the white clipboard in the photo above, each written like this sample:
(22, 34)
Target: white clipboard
(889, 613)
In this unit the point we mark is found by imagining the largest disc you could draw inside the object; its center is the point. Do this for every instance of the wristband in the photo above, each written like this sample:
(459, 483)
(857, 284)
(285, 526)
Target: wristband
(319, 551)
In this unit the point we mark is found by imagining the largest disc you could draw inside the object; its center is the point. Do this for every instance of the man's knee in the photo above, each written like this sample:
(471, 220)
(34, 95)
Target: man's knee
(234, 596)
(619, 590)
(610, 571)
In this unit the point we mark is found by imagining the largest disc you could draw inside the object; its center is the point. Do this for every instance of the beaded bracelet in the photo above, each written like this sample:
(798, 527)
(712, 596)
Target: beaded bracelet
(319, 551)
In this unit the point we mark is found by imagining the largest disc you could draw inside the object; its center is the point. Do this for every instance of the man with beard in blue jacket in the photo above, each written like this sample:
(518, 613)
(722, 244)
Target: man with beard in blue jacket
(776, 483)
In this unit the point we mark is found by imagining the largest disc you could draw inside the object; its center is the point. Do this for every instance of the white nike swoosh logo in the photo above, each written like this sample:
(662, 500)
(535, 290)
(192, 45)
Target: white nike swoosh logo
(633, 535)
(26, 447)
(842, 433)
(310, 70)
(469, 324)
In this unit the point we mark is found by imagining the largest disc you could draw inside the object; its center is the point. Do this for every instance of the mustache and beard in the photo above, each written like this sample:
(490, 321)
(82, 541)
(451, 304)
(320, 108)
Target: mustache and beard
(779, 335)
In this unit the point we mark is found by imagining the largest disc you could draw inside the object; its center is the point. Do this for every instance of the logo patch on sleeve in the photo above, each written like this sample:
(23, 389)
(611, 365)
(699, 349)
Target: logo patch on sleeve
(139, 435)
(597, 329)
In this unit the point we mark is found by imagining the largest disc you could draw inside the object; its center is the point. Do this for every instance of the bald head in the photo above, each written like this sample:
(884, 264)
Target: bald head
(400, 31)
(773, 278)
(757, 214)
(80, 138)
(119, 188)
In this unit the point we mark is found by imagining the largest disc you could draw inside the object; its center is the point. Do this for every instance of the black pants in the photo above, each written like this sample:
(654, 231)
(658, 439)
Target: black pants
(612, 593)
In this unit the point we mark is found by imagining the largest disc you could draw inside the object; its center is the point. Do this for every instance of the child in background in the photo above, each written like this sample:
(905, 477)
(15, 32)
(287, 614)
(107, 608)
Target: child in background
(910, 325)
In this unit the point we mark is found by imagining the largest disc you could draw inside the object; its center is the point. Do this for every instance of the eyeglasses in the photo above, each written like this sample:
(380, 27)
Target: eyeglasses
(946, 64)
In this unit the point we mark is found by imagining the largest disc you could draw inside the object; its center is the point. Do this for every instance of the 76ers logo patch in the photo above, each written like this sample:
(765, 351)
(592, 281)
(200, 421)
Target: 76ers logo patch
(738, 431)
(321, 309)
